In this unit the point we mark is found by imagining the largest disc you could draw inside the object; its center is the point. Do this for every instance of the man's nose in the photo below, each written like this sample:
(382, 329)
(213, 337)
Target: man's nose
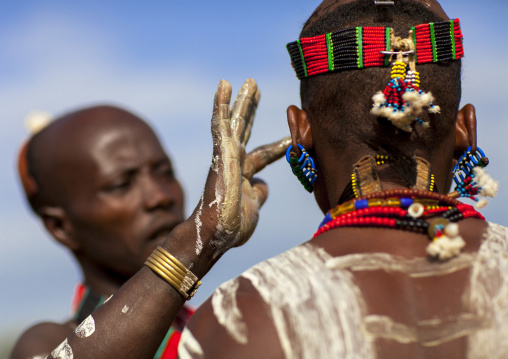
(158, 193)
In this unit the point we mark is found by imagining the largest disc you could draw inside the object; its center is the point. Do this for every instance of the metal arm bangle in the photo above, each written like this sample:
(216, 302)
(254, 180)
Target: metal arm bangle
(173, 272)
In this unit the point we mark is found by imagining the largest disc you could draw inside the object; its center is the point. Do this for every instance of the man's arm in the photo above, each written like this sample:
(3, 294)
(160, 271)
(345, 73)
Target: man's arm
(132, 324)
(234, 323)
(39, 340)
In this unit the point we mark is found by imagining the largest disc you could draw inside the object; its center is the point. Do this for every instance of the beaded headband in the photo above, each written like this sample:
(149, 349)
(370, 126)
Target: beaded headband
(401, 101)
(359, 47)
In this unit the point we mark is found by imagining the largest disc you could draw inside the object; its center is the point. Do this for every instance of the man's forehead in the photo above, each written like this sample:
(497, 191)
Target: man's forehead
(95, 133)
(125, 143)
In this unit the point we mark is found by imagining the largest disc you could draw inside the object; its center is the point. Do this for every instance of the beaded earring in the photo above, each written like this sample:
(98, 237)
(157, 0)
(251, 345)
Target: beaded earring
(303, 167)
(470, 178)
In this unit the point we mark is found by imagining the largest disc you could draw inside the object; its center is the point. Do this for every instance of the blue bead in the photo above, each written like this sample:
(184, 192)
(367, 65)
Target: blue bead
(406, 202)
(327, 219)
(362, 203)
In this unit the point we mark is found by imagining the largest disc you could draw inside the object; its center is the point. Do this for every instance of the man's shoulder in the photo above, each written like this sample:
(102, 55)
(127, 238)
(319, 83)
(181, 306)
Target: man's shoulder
(38, 340)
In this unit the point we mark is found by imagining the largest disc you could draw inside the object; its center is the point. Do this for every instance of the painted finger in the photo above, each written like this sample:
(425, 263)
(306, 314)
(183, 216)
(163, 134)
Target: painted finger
(254, 193)
(260, 190)
(221, 100)
(262, 156)
(242, 107)
(250, 120)
(221, 130)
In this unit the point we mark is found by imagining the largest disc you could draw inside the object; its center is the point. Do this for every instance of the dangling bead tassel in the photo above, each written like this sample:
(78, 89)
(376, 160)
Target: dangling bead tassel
(446, 242)
(402, 101)
(472, 180)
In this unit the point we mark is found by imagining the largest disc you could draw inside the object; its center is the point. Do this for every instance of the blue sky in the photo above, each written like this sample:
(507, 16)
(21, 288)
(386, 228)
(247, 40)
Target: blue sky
(163, 60)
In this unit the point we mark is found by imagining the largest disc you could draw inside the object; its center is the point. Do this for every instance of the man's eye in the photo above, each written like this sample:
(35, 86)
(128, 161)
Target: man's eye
(118, 186)
(165, 171)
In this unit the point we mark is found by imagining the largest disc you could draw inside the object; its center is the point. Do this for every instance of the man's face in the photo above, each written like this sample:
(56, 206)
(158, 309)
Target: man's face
(125, 200)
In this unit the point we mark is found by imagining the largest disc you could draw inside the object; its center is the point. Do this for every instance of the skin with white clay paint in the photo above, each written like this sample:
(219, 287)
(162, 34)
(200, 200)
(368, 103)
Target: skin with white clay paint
(125, 309)
(227, 313)
(489, 295)
(230, 133)
(86, 328)
(235, 201)
(199, 223)
(428, 333)
(189, 347)
(63, 351)
(330, 325)
(288, 283)
(227, 194)
(415, 268)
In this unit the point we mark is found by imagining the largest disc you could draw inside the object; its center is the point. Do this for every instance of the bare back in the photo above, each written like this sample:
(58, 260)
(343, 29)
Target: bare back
(388, 301)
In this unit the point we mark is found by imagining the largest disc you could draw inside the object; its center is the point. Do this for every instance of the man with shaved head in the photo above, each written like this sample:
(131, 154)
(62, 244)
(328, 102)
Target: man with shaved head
(104, 188)
(370, 284)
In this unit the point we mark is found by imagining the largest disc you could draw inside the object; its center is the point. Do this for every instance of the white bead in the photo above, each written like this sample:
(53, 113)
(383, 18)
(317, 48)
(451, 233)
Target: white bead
(415, 210)
(452, 230)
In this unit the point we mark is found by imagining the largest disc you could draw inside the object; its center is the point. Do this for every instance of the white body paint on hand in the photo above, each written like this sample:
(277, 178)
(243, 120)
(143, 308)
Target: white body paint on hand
(86, 328)
(63, 351)
(199, 223)
(227, 313)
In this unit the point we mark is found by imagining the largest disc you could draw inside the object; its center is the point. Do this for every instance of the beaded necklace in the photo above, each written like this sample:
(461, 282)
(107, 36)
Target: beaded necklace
(406, 209)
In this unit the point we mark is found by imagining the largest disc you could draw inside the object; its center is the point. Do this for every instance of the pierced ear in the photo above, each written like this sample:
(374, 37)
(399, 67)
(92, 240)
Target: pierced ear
(465, 130)
(58, 225)
(299, 127)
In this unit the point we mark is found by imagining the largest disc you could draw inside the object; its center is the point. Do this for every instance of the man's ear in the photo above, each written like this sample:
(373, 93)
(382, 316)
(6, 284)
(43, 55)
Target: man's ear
(465, 131)
(299, 127)
(58, 225)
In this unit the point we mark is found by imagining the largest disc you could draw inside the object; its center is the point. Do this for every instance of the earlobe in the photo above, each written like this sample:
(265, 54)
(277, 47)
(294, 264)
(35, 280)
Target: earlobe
(57, 224)
(465, 130)
(299, 126)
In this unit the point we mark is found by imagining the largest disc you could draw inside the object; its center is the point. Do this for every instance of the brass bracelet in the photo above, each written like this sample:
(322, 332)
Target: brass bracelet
(162, 263)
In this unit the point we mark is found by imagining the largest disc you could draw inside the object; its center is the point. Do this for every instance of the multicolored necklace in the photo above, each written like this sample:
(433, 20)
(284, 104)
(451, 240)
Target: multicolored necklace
(412, 210)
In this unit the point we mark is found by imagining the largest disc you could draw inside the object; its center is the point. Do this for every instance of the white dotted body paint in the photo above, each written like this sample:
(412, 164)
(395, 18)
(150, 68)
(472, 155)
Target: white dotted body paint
(63, 351)
(227, 313)
(86, 328)
(43, 356)
(311, 321)
(197, 221)
(125, 309)
(189, 347)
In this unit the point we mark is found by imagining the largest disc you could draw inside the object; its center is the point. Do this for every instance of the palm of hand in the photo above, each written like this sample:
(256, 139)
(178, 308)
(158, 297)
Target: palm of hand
(232, 198)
